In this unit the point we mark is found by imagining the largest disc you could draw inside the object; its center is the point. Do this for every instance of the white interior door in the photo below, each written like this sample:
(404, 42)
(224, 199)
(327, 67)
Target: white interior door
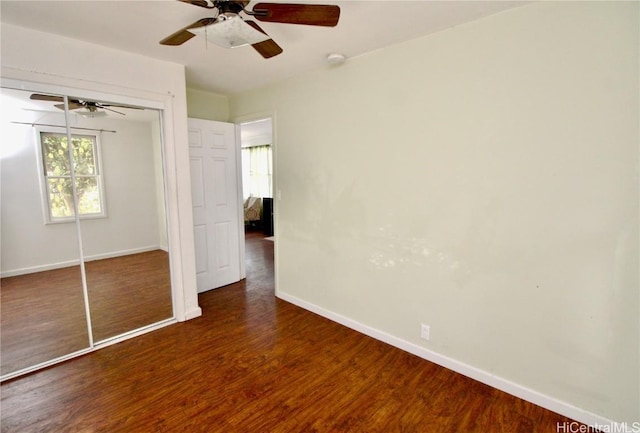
(216, 194)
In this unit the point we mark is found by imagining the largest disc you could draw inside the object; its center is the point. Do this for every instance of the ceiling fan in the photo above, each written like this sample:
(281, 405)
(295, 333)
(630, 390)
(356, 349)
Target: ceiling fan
(92, 108)
(228, 29)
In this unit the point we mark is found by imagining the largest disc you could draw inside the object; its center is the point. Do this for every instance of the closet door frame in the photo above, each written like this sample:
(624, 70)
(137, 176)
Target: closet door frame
(162, 107)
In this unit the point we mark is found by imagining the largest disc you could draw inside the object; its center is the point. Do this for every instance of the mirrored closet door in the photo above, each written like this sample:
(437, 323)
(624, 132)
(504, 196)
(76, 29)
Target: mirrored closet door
(84, 256)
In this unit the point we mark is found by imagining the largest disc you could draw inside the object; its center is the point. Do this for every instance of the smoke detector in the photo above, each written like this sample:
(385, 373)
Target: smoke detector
(336, 59)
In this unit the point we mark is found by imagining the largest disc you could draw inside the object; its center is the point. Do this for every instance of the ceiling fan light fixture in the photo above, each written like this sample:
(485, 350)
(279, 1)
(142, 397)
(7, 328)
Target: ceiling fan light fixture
(91, 114)
(230, 31)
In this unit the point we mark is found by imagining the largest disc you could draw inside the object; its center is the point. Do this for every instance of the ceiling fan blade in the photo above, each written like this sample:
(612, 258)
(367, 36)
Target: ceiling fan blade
(120, 106)
(178, 38)
(183, 35)
(268, 48)
(103, 107)
(73, 105)
(201, 3)
(39, 97)
(293, 13)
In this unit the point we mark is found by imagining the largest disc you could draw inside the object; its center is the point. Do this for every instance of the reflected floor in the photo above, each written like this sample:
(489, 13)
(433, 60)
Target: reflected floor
(43, 315)
(128, 292)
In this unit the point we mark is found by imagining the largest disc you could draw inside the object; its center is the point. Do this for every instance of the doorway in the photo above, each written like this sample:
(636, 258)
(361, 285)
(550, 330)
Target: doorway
(257, 151)
(256, 141)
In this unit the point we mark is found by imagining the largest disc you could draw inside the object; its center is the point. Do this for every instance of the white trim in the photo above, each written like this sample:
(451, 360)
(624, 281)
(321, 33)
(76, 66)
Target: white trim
(254, 117)
(193, 313)
(177, 236)
(240, 199)
(39, 268)
(134, 333)
(121, 253)
(75, 262)
(520, 391)
(276, 201)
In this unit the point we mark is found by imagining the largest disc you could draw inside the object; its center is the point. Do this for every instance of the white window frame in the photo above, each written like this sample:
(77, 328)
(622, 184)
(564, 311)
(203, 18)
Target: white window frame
(44, 187)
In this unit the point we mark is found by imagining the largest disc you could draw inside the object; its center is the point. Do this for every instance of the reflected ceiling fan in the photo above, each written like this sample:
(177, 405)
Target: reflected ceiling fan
(92, 108)
(228, 29)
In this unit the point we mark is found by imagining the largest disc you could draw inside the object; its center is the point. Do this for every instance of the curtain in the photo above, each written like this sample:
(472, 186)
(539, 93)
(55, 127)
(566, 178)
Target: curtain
(256, 171)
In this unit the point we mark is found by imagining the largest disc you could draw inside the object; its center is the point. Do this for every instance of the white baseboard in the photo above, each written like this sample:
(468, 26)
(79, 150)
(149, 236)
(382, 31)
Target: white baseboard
(68, 263)
(485, 377)
(193, 313)
(39, 268)
(113, 254)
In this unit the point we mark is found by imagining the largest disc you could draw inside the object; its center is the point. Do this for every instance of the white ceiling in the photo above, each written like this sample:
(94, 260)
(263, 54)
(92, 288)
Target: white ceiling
(256, 133)
(138, 26)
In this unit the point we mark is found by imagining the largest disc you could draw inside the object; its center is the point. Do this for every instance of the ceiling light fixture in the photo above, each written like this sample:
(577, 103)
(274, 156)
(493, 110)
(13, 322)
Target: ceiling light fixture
(91, 114)
(230, 31)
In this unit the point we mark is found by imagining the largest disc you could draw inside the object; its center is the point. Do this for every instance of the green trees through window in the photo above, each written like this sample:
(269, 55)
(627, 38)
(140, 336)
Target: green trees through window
(57, 172)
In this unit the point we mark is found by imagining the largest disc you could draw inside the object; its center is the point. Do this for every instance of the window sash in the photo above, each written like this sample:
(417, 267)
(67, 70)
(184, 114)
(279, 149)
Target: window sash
(58, 203)
(257, 171)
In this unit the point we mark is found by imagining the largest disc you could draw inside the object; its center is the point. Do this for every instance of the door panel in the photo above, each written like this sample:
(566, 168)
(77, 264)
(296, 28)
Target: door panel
(223, 246)
(215, 192)
(200, 233)
(197, 182)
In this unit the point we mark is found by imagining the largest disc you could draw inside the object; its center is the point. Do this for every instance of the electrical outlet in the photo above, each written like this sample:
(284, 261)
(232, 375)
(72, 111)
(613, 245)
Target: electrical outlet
(425, 332)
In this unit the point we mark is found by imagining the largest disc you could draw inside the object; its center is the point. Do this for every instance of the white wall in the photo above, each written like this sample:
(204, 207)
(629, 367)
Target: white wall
(49, 61)
(207, 105)
(484, 181)
(129, 172)
(132, 223)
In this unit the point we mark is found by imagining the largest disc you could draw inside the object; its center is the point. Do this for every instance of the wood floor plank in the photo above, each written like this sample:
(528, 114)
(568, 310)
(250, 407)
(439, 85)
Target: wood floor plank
(253, 363)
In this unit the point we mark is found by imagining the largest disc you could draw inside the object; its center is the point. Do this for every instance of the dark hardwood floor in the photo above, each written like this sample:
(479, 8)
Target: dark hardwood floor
(253, 363)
